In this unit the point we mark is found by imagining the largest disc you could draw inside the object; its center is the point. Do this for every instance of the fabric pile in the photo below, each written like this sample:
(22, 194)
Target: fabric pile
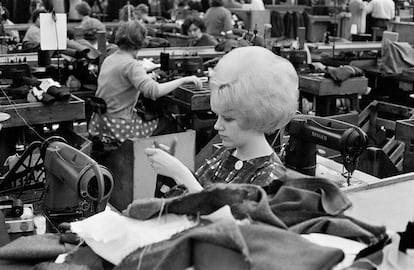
(397, 57)
(341, 74)
(246, 228)
(47, 91)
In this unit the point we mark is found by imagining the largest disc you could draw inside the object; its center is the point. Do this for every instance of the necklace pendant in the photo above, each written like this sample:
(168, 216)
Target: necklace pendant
(238, 165)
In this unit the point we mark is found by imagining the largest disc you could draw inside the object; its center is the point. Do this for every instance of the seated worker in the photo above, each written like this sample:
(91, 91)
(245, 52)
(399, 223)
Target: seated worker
(13, 34)
(253, 92)
(84, 11)
(140, 13)
(33, 32)
(195, 28)
(121, 81)
(218, 19)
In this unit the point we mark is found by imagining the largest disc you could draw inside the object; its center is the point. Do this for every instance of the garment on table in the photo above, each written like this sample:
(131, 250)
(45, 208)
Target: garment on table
(223, 167)
(358, 14)
(343, 73)
(262, 247)
(205, 40)
(302, 205)
(295, 202)
(32, 34)
(121, 80)
(397, 57)
(218, 20)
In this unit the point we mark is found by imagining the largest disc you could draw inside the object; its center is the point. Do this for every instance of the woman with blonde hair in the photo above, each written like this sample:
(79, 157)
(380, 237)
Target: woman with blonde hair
(253, 93)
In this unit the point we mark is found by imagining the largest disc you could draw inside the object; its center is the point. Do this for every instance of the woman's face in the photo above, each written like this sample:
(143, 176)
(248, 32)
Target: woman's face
(230, 132)
(194, 32)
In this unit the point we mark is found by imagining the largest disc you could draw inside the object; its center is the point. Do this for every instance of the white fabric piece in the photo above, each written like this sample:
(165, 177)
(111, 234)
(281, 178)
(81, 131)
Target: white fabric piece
(349, 247)
(222, 214)
(113, 236)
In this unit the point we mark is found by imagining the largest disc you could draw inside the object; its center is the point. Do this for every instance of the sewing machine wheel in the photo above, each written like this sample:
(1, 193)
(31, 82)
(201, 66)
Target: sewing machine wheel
(89, 187)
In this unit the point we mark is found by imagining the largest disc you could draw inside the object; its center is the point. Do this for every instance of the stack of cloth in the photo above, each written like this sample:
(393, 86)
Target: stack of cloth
(242, 224)
(47, 91)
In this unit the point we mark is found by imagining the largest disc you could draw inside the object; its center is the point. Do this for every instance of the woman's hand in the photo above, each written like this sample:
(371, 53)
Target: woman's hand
(195, 80)
(168, 165)
(163, 163)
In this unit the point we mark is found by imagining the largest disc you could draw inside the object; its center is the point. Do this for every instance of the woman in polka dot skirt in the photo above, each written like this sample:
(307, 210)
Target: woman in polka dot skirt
(121, 80)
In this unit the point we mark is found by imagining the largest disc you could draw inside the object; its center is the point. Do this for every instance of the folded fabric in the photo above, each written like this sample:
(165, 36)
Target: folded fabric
(396, 57)
(34, 247)
(261, 246)
(60, 93)
(303, 205)
(340, 74)
(30, 81)
(121, 235)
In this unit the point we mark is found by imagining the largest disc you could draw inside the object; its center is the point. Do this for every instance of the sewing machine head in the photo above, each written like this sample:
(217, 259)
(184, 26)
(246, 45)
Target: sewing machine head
(76, 186)
(308, 131)
(182, 64)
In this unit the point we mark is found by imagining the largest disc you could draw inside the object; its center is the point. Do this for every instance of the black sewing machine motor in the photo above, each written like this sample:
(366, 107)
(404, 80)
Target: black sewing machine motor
(308, 131)
(76, 186)
(182, 64)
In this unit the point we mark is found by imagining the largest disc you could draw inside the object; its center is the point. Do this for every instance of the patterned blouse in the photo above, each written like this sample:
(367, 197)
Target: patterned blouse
(223, 167)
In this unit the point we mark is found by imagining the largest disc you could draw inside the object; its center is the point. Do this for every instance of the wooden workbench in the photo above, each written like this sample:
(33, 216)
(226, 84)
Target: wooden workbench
(325, 91)
(355, 46)
(36, 113)
(202, 51)
(374, 200)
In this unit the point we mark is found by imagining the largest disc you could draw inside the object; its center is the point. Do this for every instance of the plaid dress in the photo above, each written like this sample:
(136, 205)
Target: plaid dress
(223, 167)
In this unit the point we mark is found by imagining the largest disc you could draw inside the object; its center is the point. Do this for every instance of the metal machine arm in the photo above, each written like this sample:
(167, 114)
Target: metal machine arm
(308, 131)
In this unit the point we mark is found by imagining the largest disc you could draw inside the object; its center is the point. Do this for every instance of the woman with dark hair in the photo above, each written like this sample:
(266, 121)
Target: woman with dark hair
(218, 18)
(121, 81)
(195, 28)
(5, 20)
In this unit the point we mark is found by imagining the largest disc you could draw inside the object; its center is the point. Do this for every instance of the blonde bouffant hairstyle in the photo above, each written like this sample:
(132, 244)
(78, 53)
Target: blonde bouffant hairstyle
(256, 87)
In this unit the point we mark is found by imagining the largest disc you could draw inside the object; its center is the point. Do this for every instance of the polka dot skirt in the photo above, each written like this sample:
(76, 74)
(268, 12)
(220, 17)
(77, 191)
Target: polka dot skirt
(110, 128)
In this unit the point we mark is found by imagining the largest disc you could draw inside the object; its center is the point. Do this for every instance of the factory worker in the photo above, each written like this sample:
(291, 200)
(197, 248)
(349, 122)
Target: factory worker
(253, 92)
(195, 28)
(122, 79)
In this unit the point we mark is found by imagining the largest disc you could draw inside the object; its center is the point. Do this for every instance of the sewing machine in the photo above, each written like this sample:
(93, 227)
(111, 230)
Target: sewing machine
(298, 58)
(191, 64)
(76, 185)
(308, 131)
